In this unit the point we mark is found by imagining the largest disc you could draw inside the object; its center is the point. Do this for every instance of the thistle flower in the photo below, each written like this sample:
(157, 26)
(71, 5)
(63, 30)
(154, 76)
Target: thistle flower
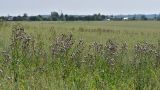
(62, 45)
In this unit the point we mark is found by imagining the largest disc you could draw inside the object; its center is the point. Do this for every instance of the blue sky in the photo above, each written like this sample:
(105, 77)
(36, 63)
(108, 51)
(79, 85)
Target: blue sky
(35, 7)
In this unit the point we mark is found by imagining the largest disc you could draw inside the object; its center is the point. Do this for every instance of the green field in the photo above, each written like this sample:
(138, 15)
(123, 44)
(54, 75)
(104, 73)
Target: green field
(123, 55)
(130, 31)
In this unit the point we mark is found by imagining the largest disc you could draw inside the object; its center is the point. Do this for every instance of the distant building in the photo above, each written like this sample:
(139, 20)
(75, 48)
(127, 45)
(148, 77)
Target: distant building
(9, 18)
(125, 18)
(107, 19)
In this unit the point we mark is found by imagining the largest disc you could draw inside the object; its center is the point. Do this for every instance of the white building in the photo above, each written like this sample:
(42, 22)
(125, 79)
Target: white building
(125, 18)
(107, 19)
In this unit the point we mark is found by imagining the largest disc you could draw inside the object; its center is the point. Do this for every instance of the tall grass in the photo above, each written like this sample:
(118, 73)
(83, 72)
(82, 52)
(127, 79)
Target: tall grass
(71, 63)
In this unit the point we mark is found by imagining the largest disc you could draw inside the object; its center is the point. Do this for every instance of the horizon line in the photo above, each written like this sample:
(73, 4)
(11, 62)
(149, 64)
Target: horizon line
(80, 14)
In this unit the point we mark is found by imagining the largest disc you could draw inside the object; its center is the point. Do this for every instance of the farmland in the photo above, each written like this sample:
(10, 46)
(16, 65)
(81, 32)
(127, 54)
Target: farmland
(80, 55)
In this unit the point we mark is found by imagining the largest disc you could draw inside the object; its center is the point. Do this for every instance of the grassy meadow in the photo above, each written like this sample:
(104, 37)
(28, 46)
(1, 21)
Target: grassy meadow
(115, 55)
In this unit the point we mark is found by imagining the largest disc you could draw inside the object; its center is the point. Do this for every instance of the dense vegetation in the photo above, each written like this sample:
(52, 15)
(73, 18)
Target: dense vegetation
(80, 55)
(55, 16)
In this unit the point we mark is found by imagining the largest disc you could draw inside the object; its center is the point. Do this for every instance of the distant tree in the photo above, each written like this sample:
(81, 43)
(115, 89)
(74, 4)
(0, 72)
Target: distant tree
(143, 17)
(107, 17)
(99, 17)
(2, 18)
(111, 17)
(62, 17)
(35, 18)
(87, 18)
(66, 17)
(95, 16)
(103, 17)
(25, 16)
(158, 17)
(40, 18)
(54, 16)
(17, 18)
(133, 18)
(155, 17)
(71, 18)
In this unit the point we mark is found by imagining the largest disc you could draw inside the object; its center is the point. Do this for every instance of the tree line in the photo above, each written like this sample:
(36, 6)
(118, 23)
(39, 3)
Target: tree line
(55, 16)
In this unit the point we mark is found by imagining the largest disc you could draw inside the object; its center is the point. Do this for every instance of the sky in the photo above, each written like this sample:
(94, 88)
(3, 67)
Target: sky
(79, 7)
